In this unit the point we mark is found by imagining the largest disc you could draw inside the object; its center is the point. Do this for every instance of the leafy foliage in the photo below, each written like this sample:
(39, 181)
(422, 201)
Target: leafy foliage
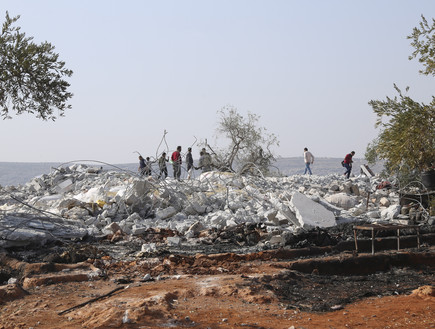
(249, 145)
(407, 137)
(31, 76)
(423, 41)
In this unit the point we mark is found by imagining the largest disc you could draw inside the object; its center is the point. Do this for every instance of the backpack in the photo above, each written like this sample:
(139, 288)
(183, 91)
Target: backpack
(342, 163)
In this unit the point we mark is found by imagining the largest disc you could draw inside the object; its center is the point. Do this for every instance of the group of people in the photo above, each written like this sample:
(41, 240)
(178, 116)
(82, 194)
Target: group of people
(309, 160)
(205, 163)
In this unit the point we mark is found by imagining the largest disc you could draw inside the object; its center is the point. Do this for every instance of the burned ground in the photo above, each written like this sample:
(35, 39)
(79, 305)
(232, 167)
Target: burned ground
(221, 285)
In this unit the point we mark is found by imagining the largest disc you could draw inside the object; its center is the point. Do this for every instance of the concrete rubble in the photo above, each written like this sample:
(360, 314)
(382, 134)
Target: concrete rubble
(79, 201)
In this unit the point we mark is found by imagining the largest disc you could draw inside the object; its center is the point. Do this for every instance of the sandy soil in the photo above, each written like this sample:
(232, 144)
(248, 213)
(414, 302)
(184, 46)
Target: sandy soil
(257, 290)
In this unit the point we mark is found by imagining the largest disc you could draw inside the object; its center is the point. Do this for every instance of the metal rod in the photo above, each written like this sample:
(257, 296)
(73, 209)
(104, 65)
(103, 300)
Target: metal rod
(356, 241)
(398, 239)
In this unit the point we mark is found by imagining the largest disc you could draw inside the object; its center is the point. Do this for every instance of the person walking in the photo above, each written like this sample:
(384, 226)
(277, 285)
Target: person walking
(309, 160)
(189, 162)
(347, 163)
(162, 165)
(176, 162)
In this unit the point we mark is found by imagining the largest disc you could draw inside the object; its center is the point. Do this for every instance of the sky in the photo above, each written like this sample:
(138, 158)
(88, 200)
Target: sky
(151, 75)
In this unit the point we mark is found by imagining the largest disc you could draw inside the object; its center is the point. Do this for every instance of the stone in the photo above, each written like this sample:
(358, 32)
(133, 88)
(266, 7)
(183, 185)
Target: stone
(384, 202)
(149, 247)
(112, 228)
(354, 190)
(12, 281)
(173, 241)
(334, 188)
(277, 239)
(391, 212)
(271, 214)
(147, 277)
(311, 214)
(64, 186)
(166, 213)
(76, 213)
(374, 214)
(136, 192)
(342, 200)
(194, 208)
(137, 230)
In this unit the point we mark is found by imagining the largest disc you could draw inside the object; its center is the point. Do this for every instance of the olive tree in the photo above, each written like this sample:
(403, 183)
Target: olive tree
(249, 146)
(31, 76)
(406, 140)
(407, 136)
(423, 41)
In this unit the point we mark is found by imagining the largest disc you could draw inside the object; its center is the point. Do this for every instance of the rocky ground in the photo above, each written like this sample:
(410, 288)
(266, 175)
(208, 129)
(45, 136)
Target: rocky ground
(86, 248)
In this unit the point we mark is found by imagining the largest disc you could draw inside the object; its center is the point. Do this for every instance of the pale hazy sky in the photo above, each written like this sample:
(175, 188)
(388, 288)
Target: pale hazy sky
(307, 68)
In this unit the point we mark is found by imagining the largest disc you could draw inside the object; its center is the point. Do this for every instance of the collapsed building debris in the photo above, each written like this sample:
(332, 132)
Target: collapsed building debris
(129, 249)
(79, 201)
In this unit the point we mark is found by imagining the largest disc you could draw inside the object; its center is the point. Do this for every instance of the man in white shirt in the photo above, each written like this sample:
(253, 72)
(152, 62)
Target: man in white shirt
(309, 159)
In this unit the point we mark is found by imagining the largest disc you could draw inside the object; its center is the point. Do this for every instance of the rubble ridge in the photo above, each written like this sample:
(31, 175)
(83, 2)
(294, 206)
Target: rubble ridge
(79, 202)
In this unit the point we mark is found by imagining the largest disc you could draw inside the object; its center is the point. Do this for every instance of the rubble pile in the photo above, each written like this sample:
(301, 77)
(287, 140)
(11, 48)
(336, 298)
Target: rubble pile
(81, 201)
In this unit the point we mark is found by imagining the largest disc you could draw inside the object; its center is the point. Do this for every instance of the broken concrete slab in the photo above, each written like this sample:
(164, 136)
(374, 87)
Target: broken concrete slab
(391, 212)
(342, 200)
(365, 169)
(22, 231)
(65, 186)
(310, 214)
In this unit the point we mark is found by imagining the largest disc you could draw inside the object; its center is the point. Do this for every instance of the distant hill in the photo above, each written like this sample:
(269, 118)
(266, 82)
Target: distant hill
(15, 173)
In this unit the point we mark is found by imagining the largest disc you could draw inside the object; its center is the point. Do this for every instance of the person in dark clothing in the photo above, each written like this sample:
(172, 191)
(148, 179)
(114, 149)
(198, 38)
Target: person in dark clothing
(189, 162)
(176, 162)
(142, 165)
(148, 167)
(162, 165)
(348, 163)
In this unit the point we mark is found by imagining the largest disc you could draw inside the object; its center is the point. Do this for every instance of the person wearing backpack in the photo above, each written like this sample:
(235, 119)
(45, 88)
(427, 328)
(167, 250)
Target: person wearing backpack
(347, 163)
(176, 162)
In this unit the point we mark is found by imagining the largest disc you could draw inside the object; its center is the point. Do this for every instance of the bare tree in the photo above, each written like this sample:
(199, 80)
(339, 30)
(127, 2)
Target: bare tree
(250, 145)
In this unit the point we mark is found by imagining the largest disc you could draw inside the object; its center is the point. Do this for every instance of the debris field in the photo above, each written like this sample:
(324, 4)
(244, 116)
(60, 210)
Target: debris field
(84, 247)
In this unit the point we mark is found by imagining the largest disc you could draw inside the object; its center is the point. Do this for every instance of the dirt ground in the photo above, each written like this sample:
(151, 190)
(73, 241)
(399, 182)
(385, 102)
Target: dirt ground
(304, 288)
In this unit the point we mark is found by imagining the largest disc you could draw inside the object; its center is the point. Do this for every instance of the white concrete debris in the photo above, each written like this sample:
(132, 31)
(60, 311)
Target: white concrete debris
(391, 212)
(311, 214)
(64, 186)
(342, 200)
(78, 200)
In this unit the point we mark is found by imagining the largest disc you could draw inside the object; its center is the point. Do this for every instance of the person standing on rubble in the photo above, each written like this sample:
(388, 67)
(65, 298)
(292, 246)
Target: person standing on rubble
(189, 162)
(148, 167)
(205, 162)
(162, 165)
(347, 163)
(176, 162)
(142, 166)
(309, 160)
